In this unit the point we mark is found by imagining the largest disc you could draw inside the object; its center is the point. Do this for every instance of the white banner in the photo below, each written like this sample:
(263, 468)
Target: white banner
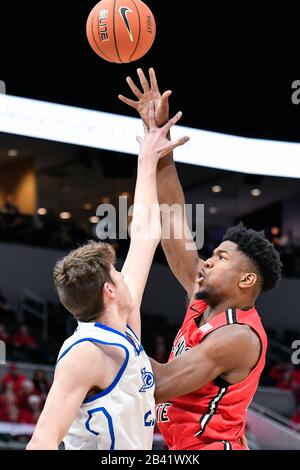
(113, 132)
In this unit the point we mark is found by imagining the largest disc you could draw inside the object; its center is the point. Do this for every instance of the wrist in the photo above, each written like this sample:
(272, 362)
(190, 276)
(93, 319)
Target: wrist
(148, 160)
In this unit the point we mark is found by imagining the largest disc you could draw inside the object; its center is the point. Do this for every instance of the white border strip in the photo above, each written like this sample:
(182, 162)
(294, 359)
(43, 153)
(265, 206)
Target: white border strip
(95, 129)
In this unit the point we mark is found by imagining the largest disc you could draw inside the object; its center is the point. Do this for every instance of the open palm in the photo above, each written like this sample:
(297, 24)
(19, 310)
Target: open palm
(150, 93)
(155, 142)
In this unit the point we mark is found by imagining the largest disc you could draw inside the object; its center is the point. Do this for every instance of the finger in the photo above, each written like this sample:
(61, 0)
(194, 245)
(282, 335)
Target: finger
(151, 115)
(143, 80)
(135, 90)
(179, 142)
(172, 121)
(153, 81)
(165, 101)
(166, 95)
(131, 103)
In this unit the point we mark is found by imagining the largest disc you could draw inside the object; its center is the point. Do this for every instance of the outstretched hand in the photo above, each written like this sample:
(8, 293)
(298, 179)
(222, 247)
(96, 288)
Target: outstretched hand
(150, 93)
(155, 143)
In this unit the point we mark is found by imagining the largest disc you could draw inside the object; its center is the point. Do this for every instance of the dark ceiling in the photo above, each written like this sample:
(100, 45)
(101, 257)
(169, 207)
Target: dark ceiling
(229, 65)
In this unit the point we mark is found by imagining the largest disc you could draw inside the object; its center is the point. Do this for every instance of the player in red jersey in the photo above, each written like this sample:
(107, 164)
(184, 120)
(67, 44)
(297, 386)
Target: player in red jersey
(219, 353)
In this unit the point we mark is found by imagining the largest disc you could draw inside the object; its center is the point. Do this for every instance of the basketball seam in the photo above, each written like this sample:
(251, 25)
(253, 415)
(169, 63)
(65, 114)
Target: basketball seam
(116, 45)
(99, 49)
(139, 35)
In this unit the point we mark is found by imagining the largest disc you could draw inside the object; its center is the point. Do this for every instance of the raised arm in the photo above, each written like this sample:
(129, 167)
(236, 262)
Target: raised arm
(183, 262)
(145, 226)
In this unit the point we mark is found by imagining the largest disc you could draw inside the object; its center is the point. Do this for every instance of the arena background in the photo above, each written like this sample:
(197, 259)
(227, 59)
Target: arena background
(231, 69)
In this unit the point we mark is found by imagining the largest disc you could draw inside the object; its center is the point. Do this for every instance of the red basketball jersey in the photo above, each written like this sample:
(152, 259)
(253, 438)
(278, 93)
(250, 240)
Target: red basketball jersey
(217, 411)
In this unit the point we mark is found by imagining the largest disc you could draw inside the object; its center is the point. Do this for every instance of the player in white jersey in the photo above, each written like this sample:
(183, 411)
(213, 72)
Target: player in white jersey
(121, 416)
(102, 396)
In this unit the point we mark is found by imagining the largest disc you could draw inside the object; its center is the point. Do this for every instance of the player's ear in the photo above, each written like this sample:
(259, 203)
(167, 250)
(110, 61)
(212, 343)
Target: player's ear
(248, 280)
(108, 290)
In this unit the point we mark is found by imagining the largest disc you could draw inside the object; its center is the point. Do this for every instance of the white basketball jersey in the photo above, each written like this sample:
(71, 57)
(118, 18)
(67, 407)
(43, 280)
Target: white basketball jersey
(122, 416)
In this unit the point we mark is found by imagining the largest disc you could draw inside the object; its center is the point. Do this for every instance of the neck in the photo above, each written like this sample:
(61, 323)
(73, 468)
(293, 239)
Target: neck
(110, 317)
(214, 310)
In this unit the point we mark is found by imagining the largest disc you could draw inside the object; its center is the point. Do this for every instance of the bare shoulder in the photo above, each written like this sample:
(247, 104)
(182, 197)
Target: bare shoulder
(89, 362)
(234, 335)
(237, 332)
(235, 345)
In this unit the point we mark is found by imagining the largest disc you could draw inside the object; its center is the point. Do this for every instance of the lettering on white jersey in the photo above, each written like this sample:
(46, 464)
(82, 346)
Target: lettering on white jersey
(148, 379)
(148, 419)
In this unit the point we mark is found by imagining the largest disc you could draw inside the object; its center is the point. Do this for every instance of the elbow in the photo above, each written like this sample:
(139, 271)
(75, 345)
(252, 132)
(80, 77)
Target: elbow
(173, 382)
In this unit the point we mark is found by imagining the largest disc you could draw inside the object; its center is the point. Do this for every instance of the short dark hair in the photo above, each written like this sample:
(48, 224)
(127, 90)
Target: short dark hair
(260, 251)
(79, 279)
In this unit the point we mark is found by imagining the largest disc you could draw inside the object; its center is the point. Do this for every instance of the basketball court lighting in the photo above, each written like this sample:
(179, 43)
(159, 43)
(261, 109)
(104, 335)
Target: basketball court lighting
(99, 130)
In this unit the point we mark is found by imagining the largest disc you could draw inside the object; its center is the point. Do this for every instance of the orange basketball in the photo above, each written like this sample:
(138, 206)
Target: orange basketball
(121, 30)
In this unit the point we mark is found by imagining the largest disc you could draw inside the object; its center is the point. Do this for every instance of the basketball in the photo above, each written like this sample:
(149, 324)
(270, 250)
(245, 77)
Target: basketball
(121, 31)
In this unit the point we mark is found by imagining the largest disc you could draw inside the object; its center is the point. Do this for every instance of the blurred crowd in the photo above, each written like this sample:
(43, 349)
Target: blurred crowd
(40, 230)
(286, 376)
(22, 398)
(49, 230)
(21, 344)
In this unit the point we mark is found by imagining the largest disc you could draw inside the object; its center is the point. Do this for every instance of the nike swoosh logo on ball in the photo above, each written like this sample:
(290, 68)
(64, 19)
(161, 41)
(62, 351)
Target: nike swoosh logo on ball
(123, 12)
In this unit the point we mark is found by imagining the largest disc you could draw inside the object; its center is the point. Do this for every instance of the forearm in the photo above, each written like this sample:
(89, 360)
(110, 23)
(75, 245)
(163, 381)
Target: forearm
(169, 188)
(172, 381)
(168, 185)
(145, 232)
(170, 193)
(169, 380)
(47, 434)
(156, 367)
(40, 445)
(179, 247)
(146, 216)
